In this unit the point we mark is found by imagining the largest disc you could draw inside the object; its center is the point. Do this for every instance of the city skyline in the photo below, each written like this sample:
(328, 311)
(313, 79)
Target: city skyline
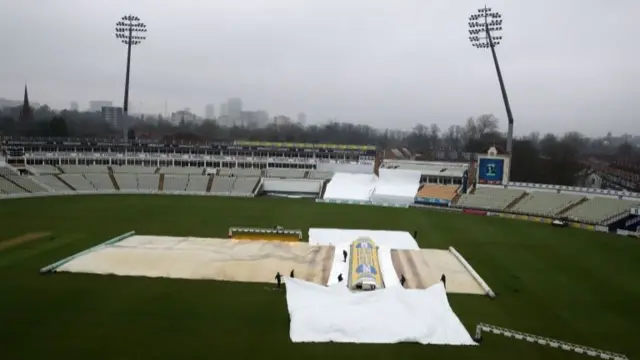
(390, 69)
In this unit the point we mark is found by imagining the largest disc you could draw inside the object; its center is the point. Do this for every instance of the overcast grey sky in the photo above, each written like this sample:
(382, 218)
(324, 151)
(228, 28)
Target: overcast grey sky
(568, 64)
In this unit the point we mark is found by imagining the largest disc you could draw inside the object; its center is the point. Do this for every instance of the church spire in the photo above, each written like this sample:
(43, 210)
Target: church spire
(26, 114)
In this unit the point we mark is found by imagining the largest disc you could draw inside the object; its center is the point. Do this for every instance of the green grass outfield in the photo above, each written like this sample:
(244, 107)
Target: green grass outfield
(570, 284)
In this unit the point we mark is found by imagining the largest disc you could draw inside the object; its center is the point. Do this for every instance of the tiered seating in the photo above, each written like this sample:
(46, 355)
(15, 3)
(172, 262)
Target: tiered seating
(83, 169)
(53, 182)
(181, 170)
(100, 181)
(600, 209)
(240, 172)
(437, 191)
(197, 183)
(46, 169)
(175, 182)
(148, 181)
(126, 181)
(23, 182)
(133, 169)
(78, 181)
(286, 173)
(545, 203)
(222, 184)
(244, 185)
(489, 198)
(322, 175)
(7, 187)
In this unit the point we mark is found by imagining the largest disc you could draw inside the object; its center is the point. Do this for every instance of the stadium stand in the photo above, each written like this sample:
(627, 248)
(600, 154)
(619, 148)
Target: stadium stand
(148, 182)
(175, 182)
(601, 209)
(78, 181)
(489, 198)
(240, 172)
(221, 184)
(286, 173)
(244, 185)
(126, 181)
(322, 175)
(437, 191)
(7, 187)
(134, 169)
(197, 183)
(100, 181)
(83, 169)
(181, 170)
(53, 183)
(46, 169)
(545, 203)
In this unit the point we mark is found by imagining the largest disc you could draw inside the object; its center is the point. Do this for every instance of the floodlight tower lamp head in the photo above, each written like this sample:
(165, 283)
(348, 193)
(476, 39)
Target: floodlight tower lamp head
(128, 28)
(484, 28)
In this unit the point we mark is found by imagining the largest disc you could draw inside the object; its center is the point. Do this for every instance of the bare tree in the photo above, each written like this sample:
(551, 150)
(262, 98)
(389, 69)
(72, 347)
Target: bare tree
(486, 124)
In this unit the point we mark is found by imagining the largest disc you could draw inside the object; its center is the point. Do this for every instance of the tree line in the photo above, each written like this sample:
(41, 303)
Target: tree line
(537, 158)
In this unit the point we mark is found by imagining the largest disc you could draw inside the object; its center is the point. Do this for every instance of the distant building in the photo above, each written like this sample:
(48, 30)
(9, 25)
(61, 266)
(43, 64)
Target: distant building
(113, 115)
(234, 106)
(302, 118)
(26, 112)
(253, 119)
(282, 120)
(185, 115)
(209, 111)
(74, 106)
(224, 109)
(96, 105)
(263, 117)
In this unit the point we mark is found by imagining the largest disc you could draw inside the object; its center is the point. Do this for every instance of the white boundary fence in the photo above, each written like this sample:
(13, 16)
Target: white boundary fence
(547, 341)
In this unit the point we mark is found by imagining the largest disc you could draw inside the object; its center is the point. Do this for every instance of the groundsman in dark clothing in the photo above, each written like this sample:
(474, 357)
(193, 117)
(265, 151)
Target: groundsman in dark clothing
(278, 279)
(443, 278)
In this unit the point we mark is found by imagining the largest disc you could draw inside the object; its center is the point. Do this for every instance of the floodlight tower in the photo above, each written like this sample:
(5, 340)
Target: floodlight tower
(483, 29)
(131, 31)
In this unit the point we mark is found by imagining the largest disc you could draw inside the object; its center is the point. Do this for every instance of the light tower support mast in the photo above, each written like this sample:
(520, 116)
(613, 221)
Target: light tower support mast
(482, 27)
(131, 31)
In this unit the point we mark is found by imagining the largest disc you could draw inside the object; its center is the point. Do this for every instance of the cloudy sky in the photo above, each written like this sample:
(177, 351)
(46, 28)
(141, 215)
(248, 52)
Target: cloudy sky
(567, 64)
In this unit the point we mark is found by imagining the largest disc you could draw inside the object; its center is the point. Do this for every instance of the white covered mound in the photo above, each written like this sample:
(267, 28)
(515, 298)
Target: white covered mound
(345, 186)
(396, 187)
(391, 315)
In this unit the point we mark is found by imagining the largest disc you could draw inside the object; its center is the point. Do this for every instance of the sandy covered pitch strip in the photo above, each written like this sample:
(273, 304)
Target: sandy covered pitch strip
(423, 268)
(205, 258)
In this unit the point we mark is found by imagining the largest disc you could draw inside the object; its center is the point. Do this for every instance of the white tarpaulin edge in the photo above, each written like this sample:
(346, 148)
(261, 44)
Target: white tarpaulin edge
(391, 315)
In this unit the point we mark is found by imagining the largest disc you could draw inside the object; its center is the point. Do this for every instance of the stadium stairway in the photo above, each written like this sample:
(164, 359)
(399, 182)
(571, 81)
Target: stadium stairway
(255, 188)
(324, 188)
(109, 169)
(60, 169)
(157, 170)
(15, 183)
(572, 206)
(113, 179)
(516, 201)
(210, 183)
(161, 183)
(64, 182)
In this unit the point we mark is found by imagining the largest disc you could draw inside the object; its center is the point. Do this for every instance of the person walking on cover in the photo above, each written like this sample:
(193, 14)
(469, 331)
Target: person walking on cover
(340, 278)
(291, 274)
(443, 278)
(402, 280)
(344, 255)
(278, 279)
